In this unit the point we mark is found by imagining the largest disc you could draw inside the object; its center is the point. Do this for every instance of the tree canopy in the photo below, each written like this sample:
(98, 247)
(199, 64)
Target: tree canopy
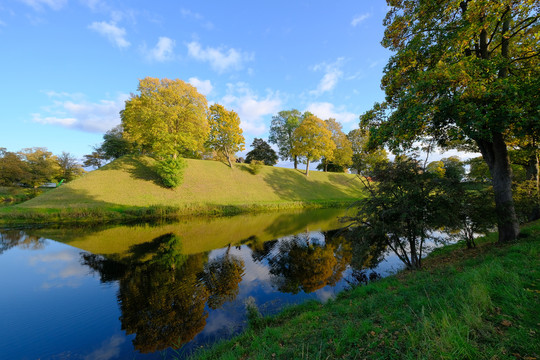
(312, 141)
(461, 70)
(262, 152)
(281, 133)
(166, 118)
(225, 132)
(341, 157)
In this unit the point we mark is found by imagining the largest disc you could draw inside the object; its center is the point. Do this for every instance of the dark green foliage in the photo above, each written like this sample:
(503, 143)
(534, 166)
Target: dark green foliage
(472, 211)
(96, 159)
(402, 209)
(263, 152)
(115, 145)
(453, 168)
(328, 166)
(171, 171)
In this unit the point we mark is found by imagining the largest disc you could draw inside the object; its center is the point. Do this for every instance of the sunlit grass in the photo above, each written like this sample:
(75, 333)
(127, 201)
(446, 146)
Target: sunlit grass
(129, 188)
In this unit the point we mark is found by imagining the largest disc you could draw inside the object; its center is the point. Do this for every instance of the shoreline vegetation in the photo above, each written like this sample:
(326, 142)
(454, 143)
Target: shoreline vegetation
(129, 189)
(477, 303)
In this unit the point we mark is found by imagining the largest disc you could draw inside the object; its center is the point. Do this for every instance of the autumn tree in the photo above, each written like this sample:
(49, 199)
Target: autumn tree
(341, 157)
(281, 133)
(12, 169)
(262, 151)
(225, 133)
(167, 118)
(461, 70)
(312, 140)
(42, 166)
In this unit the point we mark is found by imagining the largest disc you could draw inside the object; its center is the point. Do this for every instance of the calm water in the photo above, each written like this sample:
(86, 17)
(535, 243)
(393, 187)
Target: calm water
(137, 291)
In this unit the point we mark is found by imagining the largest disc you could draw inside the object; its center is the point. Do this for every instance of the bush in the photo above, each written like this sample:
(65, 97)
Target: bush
(171, 171)
(255, 166)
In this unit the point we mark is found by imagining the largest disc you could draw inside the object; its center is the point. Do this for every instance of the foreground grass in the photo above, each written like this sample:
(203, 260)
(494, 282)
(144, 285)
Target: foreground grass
(128, 188)
(479, 304)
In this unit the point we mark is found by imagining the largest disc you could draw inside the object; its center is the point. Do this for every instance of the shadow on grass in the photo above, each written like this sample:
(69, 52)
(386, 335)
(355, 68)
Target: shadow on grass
(295, 186)
(137, 168)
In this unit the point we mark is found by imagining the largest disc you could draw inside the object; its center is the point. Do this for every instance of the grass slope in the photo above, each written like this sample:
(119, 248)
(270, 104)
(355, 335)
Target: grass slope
(466, 304)
(131, 182)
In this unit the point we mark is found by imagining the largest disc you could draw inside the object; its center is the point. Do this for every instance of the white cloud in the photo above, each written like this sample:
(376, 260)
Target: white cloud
(358, 19)
(110, 349)
(163, 51)
(250, 107)
(325, 110)
(113, 33)
(331, 77)
(38, 5)
(76, 113)
(198, 17)
(203, 86)
(220, 59)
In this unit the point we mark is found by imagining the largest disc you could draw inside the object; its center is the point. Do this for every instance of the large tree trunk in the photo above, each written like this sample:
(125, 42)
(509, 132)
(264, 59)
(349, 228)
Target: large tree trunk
(307, 167)
(495, 154)
(295, 162)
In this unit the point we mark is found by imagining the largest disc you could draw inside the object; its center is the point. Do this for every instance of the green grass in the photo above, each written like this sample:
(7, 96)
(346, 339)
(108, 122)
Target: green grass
(465, 304)
(129, 188)
(11, 195)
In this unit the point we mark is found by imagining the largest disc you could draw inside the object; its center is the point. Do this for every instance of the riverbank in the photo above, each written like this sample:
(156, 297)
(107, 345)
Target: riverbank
(465, 304)
(129, 189)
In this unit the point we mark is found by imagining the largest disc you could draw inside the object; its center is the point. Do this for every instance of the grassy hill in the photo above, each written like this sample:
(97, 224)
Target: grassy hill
(209, 186)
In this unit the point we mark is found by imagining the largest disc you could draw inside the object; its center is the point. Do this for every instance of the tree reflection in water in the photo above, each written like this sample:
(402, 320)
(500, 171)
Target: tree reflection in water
(12, 238)
(222, 277)
(163, 293)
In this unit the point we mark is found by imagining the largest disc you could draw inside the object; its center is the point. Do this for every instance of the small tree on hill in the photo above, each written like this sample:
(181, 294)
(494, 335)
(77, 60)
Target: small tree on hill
(262, 152)
(312, 140)
(225, 132)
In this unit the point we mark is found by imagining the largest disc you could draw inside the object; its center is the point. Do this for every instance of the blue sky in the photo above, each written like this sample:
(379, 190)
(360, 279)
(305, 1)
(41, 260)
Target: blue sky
(69, 65)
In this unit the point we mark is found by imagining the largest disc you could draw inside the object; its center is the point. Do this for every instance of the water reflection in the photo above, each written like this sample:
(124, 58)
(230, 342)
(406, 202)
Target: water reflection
(170, 288)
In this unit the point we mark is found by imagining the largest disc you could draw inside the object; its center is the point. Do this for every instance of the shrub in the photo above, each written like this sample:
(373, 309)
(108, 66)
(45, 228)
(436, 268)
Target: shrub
(171, 171)
(255, 166)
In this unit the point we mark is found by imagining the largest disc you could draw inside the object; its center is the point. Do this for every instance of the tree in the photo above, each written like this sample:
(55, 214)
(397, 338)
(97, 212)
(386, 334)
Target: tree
(312, 140)
(42, 166)
(453, 168)
(462, 70)
(115, 145)
(12, 169)
(364, 158)
(341, 157)
(281, 133)
(262, 152)
(402, 209)
(69, 166)
(225, 133)
(167, 119)
(95, 159)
